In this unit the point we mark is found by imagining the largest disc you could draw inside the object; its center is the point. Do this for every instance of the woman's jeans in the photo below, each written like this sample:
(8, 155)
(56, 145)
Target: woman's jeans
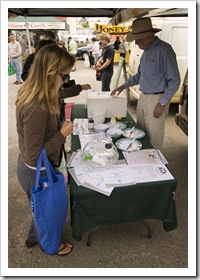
(106, 77)
(26, 177)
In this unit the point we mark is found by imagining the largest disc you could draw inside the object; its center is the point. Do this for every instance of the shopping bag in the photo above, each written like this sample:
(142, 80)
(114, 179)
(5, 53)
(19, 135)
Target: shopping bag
(86, 62)
(11, 70)
(49, 205)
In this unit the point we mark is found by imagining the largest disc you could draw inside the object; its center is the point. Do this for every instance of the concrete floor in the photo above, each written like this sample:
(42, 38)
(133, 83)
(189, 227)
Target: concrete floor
(115, 246)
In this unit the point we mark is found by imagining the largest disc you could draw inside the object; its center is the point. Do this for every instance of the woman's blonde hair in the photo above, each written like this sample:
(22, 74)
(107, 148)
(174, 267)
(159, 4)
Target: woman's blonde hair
(40, 87)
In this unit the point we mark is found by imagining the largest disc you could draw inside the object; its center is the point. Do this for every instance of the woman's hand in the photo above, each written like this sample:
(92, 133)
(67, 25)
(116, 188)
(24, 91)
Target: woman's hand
(67, 128)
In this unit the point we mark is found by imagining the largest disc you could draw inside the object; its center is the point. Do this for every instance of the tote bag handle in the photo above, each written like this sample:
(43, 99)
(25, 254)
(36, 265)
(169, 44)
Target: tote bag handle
(49, 168)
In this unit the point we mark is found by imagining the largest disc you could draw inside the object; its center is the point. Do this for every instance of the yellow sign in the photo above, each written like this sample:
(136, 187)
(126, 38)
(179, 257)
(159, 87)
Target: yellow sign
(112, 29)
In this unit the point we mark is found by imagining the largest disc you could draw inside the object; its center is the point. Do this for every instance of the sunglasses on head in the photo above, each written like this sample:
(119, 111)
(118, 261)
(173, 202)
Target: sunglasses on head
(65, 77)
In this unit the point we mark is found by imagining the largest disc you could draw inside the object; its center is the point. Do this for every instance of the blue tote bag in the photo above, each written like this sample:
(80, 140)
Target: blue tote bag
(49, 205)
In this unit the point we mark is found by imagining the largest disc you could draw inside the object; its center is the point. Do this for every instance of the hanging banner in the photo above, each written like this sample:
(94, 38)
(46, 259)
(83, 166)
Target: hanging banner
(112, 29)
(36, 25)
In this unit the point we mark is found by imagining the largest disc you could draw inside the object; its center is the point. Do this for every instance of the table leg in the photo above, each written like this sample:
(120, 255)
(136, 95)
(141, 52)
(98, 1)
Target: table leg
(147, 226)
(90, 235)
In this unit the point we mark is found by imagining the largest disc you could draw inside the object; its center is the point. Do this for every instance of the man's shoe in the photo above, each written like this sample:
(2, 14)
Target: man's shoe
(30, 244)
(14, 82)
(18, 82)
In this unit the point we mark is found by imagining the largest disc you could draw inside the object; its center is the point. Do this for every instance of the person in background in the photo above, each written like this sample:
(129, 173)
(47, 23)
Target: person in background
(158, 77)
(72, 49)
(123, 48)
(24, 43)
(69, 89)
(14, 57)
(105, 62)
(49, 35)
(61, 44)
(100, 48)
(29, 61)
(27, 53)
(95, 49)
(117, 43)
(37, 120)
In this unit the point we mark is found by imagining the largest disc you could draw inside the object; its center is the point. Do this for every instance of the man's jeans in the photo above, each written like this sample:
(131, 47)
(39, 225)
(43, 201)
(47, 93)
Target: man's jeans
(16, 63)
(105, 80)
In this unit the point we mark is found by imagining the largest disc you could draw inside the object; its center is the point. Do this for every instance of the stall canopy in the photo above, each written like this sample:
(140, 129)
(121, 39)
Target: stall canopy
(37, 23)
(117, 15)
(64, 12)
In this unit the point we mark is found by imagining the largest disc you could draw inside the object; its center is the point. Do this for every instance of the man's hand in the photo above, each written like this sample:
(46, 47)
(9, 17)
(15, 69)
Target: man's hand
(117, 90)
(86, 86)
(158, 110)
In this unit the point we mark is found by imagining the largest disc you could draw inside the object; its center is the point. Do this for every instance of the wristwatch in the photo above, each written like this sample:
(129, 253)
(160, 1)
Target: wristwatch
(162, 104)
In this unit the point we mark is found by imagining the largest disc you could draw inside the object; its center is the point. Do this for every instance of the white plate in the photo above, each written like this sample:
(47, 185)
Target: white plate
(114, 132)
(137, 133)
(119, 125)
(123, 144)
(101, 127)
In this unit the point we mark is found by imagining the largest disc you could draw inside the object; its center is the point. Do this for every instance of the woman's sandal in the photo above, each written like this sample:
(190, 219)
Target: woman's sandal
(62, 249)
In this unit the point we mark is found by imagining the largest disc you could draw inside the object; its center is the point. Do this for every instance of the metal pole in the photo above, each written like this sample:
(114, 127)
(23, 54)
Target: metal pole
(27, 34)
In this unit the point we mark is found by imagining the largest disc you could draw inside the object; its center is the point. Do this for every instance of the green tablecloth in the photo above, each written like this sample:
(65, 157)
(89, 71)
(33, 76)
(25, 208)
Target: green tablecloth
(90, 209)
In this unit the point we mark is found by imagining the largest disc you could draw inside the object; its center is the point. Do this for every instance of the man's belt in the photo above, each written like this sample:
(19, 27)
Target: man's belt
(160, 92)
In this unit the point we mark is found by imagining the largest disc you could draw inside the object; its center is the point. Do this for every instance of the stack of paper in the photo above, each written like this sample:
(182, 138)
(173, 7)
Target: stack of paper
(148, 156)
(102, 180)
(143, 166)
(80, 126)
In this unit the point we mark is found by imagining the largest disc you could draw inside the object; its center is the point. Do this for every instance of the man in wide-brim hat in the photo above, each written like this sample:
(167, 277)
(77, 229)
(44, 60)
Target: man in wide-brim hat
(158, 77)
(141, 28)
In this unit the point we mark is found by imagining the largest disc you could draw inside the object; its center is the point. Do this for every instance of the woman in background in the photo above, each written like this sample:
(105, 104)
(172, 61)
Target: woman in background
(95, 49)
(123, 48)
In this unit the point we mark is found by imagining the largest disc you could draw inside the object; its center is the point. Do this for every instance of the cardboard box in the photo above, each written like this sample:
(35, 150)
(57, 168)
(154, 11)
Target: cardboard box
(114, 105)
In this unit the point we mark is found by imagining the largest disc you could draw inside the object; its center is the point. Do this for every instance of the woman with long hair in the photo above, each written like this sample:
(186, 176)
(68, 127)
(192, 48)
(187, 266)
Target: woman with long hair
(38, 125)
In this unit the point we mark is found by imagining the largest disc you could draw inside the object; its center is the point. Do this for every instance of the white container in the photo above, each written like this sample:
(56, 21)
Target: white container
(114, 105)
(98, 115)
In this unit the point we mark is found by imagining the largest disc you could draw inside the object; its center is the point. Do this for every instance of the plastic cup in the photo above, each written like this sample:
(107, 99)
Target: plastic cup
(99, 115)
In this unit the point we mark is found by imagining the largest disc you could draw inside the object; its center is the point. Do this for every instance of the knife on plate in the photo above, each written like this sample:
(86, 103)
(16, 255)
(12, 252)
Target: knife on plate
(131, 131)
(130, 144)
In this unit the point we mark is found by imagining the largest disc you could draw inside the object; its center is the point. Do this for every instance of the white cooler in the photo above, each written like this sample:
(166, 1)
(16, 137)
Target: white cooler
(113, 105)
